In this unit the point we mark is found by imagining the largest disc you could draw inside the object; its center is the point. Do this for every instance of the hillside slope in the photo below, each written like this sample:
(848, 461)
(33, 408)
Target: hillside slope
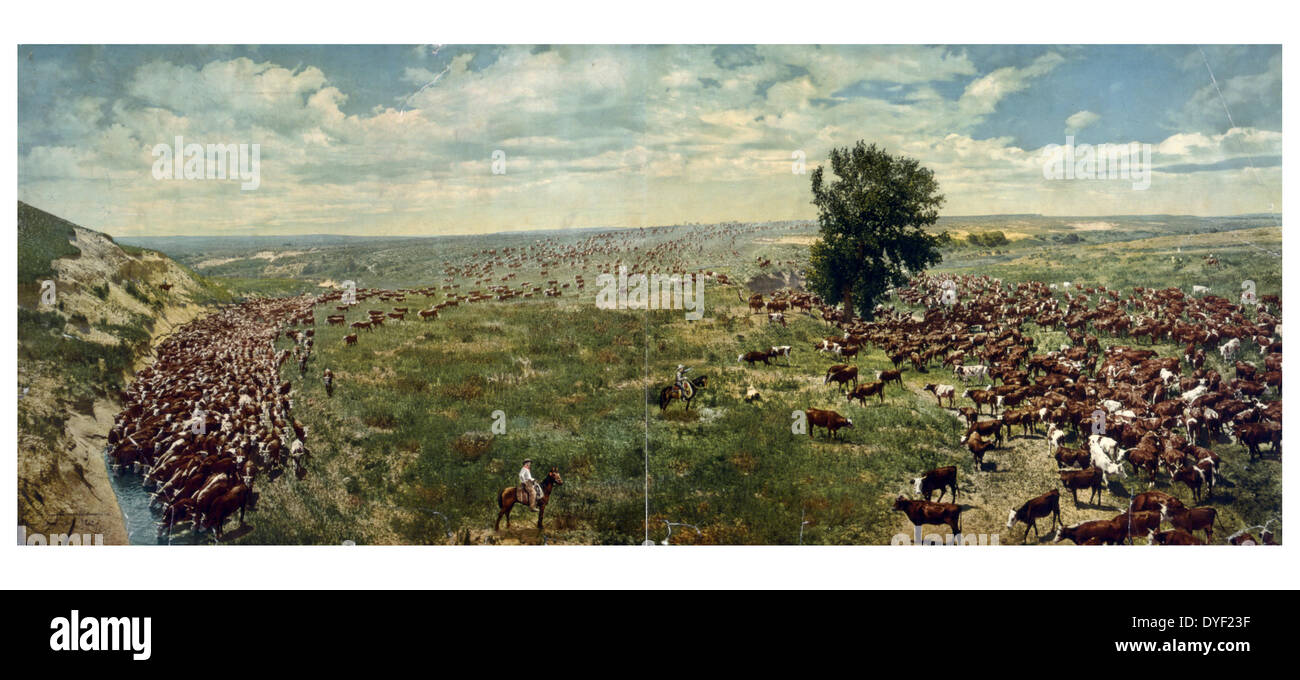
(75, 350)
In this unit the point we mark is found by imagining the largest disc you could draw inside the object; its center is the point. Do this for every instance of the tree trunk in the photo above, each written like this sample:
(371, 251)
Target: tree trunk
(847, 291)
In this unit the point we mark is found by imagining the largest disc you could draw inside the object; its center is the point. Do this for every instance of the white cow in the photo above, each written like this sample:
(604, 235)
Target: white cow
(1054, 437)
(1200, 290)
(1229, 349)
(1106, 455)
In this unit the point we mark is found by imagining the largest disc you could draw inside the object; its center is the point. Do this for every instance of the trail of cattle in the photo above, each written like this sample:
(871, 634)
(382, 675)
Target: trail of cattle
(210, 416)
(1044, 424)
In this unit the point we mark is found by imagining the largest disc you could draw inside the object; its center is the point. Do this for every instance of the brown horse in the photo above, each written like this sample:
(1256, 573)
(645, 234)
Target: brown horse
(671, 392)
(506, 500)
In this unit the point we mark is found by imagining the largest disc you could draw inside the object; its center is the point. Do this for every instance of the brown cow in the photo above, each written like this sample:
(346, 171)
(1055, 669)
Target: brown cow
(978, 447)
(924, 512)
(1090, 478)
(830, 420)
(943, 479)
(861, 392)
(1034, 508)
(1191, 519)
(1102, 531)
(847, 375)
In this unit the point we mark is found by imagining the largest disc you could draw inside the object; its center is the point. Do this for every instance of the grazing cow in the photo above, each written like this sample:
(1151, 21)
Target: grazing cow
(925, 512)
(1102, 531)
(890, 376)
(350, 339)
(943, 479)
(755, 357)
(830, 420)
(847, 375)
(780, 351)
(1035, 508)
(1191, 519)
(1090, 478)
(861, 392)
(835, 368)
(941, 392)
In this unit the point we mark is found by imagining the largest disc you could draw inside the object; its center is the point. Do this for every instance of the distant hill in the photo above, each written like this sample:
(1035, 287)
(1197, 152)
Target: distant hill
(75, 352)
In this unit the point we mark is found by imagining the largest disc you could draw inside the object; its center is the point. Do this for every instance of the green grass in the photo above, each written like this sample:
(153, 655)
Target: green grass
(385, 446)
(42, 238)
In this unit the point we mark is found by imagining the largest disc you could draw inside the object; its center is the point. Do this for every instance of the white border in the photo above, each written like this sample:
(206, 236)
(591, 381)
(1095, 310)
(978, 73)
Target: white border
(604, 567)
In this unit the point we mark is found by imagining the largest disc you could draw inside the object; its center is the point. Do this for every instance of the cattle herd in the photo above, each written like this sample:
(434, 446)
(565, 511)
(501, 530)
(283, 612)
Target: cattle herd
(211, 415)
(1129, 409)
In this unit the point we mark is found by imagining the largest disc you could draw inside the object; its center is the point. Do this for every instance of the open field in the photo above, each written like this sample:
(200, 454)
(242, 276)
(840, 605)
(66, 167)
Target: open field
(404, 451)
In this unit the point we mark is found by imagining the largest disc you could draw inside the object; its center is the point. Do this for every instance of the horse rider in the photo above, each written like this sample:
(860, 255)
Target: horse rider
(528, 486)
(683, 383)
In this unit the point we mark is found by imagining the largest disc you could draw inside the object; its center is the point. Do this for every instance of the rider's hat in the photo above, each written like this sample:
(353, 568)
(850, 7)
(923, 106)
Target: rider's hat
(527, 461)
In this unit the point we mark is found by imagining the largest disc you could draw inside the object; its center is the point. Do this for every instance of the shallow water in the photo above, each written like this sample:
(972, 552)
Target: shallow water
(141, 521)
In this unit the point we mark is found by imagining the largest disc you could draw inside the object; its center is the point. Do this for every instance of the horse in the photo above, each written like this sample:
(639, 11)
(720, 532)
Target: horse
(671, 392)
(506, 499)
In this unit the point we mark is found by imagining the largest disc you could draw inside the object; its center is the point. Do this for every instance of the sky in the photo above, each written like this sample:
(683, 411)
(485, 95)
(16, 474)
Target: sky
(426, 140)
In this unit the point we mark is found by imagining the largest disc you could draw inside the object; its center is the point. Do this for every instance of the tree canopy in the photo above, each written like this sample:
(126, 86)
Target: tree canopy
(873, 217)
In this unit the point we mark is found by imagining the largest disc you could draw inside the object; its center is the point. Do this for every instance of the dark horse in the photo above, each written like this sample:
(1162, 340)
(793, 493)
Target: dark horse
(671, 392)
(506, 500)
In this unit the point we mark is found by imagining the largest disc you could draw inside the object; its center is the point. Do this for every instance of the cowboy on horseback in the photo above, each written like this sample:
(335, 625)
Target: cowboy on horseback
(529, 491)
(682, 383)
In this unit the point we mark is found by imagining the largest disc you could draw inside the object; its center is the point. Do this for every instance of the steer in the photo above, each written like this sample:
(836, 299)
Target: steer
(942, 392)
(925, 512)
(1090, 479)
(1139, 523)
(1034, 508)
(1191, 519)
(861, 392)
(1099, 531)
(830, 420)
(943, 478)
(847, 375)
(889, 376)
(978, 447)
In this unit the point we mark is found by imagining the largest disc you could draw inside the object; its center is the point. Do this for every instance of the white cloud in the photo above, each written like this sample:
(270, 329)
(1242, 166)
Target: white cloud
(1080, 120)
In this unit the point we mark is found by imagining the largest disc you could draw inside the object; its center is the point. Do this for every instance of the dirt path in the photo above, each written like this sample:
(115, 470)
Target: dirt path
(1015, 472)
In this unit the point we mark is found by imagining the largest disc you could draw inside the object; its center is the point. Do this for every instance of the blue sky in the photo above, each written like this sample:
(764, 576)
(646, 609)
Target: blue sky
(399, 139)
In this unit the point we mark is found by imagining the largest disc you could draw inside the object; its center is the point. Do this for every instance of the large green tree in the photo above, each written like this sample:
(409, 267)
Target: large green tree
(873, 217)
